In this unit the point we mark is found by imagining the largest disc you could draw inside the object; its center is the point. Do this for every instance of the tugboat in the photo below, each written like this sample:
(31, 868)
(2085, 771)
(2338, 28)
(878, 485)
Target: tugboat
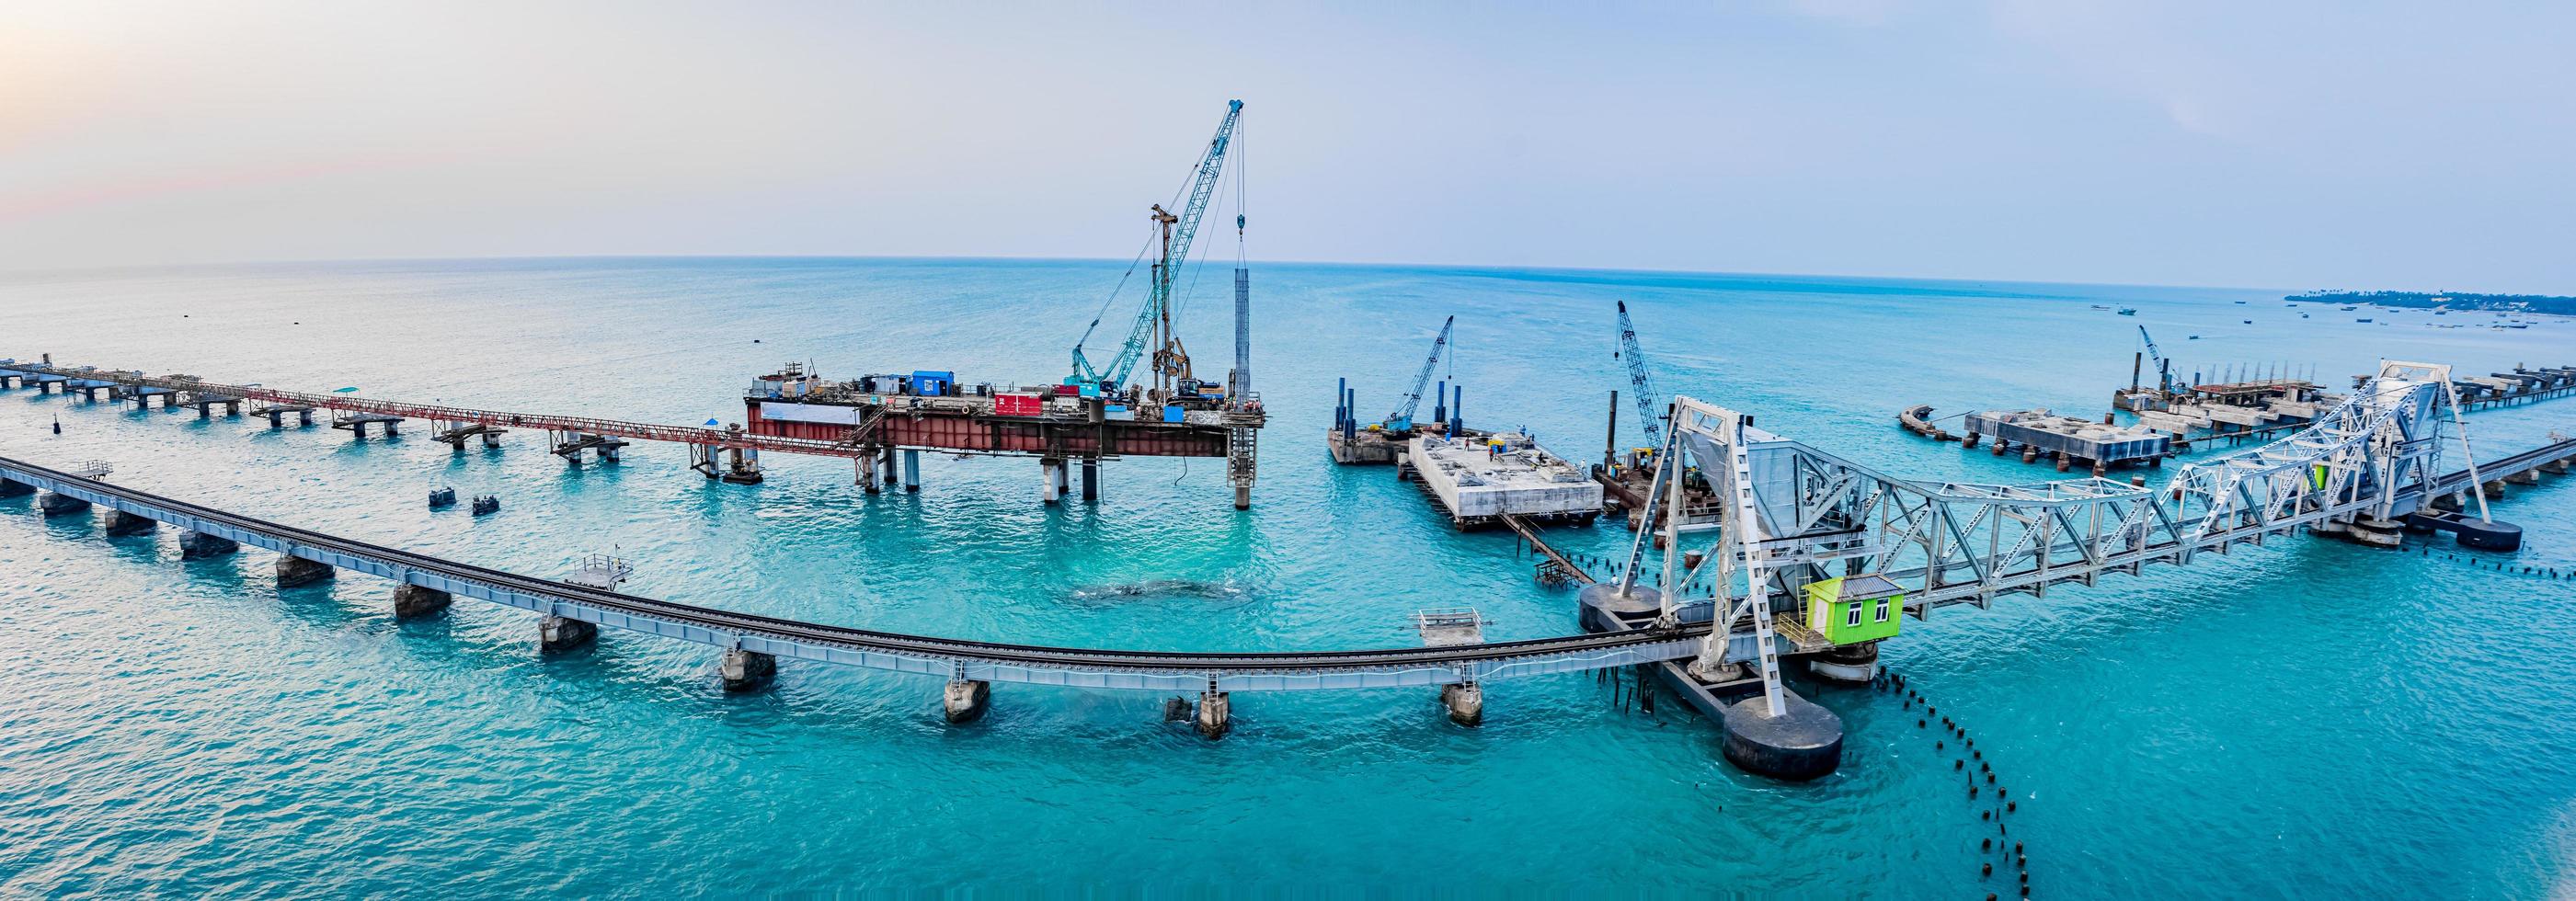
(485, 505)
(2128, 311)
(441, 498)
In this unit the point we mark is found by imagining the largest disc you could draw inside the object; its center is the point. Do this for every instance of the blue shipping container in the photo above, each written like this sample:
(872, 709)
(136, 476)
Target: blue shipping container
(1172, 413)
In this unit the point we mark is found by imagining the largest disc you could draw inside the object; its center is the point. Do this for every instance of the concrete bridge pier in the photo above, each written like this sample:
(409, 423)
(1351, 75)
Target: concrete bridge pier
(54, 504)
(2492, 490)
(2525, 477)
(196, 545)
(868, 480)
(15, 489)
(911, 470)
(2376, 532)
(1215, 714)
(415, 601)
(2555, 467)
(1466, 702)
(121, 523)
(745, 671)
(1851, 664)
(557, 634)
(965, 700)
(294, 571)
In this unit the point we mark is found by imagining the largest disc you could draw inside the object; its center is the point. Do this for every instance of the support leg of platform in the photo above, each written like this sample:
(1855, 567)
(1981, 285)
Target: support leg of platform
(1090, 480)
(1050, 473)
(911, 470)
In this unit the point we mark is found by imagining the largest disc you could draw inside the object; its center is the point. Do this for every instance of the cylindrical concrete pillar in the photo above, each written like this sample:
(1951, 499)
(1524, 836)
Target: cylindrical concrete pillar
(911, 470)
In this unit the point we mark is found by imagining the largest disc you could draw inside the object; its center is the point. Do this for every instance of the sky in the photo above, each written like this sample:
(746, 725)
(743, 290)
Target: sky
(2288, 144)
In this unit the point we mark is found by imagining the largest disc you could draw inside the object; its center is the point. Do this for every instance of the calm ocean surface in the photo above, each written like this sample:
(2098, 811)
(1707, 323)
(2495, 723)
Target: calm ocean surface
(2305, 719)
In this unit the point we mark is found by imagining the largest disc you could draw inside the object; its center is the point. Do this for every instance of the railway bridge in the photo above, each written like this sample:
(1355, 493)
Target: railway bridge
(1799, 526)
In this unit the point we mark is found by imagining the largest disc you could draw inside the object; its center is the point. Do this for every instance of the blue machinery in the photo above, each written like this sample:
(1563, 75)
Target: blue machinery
(1402, 419)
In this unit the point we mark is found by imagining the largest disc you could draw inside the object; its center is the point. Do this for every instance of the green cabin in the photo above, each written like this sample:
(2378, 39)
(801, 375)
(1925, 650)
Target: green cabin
(1854, 609)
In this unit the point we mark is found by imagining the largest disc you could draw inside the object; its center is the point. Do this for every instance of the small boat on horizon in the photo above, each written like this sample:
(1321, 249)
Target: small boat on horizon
(2128, 311)
(2361, 320)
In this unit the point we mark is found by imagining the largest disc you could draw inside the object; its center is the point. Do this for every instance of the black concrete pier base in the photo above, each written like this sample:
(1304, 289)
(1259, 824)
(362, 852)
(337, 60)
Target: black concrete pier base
(748, 670)
(2487, 536)
(15, 489)
(1851, 664)
(52, 504)
(121, 523)
(294, 571)
(1466, 702)
(556, 634)
(1803, 743)
(1215, 716)
(195, 545)
(413, 601)
(966, 699)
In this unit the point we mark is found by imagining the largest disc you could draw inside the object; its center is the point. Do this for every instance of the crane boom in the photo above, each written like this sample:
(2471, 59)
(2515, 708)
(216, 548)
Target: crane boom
(1402, 418)
(1177, 231)
(1650, 414)
(2164, 379)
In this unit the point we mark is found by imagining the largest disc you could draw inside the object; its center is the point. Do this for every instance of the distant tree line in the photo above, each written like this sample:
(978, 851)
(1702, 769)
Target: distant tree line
(2528, 303)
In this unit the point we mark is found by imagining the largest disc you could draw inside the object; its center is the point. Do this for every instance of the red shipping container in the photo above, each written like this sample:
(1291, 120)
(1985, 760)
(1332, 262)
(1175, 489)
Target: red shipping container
(1016, 404)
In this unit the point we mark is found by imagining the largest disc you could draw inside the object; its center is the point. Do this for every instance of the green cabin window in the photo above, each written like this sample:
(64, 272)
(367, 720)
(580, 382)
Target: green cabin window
(1882, 610)
(1854, 619)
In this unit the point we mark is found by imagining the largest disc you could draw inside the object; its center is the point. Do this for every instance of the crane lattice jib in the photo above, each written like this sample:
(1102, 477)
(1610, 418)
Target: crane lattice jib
(1422, 377)
(2157, 357)
(1202, 186)
(1640, 383)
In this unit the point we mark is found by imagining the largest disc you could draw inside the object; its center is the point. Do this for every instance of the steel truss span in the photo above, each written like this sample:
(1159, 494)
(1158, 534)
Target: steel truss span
(944, 657)
(1802, 515)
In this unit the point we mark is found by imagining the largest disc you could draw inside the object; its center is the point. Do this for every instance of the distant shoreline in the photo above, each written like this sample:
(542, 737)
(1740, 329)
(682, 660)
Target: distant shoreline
(2525, 303)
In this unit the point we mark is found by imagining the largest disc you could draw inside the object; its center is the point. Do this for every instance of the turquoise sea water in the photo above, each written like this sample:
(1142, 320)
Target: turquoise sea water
(2306, 719)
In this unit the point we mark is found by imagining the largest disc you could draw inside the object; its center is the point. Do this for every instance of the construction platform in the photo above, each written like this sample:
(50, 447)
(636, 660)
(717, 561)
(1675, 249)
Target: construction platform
(1477, 482)
(2065, 440)
(882, 414)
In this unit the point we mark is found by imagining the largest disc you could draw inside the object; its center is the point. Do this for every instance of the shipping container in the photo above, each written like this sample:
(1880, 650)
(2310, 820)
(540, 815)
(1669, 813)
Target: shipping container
(1016, 404)
(1173, 413)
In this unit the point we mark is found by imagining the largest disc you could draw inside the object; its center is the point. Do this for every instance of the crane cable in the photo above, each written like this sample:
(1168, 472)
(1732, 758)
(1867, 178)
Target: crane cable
(1114, 292)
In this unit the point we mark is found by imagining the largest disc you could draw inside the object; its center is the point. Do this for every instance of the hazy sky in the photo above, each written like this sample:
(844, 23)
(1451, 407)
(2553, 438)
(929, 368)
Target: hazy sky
(2272, 144)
